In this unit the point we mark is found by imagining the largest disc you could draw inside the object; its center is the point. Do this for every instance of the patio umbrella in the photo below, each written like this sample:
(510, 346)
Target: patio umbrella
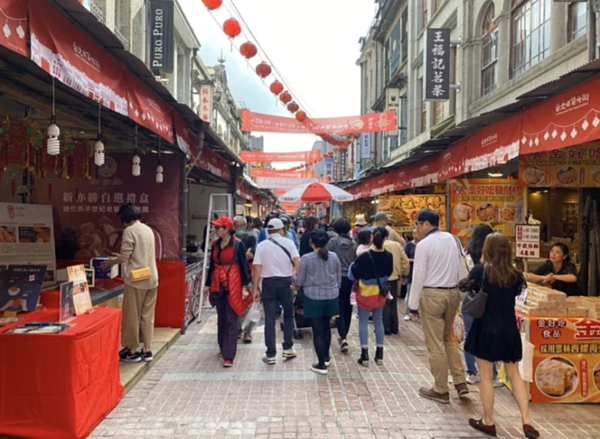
(316, 193)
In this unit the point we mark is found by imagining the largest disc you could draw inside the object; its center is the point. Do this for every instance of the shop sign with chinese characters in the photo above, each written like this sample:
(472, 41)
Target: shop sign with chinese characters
(206, 97)
(436, 83)
(528, 241)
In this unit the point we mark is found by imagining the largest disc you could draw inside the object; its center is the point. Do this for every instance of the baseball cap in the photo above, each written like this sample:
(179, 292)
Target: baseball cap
(224, 221)
(275, 224)
(382, 216)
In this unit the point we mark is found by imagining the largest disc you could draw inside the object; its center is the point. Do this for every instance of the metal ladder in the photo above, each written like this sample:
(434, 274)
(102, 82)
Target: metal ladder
(218, 206)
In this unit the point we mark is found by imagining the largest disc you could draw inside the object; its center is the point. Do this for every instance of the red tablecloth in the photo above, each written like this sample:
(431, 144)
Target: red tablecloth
(170, 301)
(60, 385)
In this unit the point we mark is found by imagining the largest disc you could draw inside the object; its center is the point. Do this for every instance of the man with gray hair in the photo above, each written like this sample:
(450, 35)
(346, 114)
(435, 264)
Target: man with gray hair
(383, 219)
(240, 225)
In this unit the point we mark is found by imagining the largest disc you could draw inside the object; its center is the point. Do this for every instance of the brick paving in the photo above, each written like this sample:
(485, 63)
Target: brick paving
(188, 395)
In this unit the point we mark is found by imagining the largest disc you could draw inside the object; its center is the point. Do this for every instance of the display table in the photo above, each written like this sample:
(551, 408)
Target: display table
(104, 291)
(60, 385)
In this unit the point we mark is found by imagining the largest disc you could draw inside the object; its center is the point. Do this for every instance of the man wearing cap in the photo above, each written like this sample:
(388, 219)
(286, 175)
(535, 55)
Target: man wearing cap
(383, 219)
(276, 262)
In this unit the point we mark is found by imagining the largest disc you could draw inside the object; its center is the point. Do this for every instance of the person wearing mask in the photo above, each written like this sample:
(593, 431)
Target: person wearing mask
(383, 219)
(474, 256)
(276, 262)
(251, 227)
(139, 297)
(435, 295)
(320, 276)
(344, 247)
(289, 230)
(227, 284)
(558, 273)
(372, 269)
(495, 336)
(240, 226)
(401, 269)
(311, 225)
(410, 254)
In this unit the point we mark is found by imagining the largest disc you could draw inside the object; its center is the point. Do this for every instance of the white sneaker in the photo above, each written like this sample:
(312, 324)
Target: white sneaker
(289, 353)
(472, 379)
(497, 383)
(406, 318)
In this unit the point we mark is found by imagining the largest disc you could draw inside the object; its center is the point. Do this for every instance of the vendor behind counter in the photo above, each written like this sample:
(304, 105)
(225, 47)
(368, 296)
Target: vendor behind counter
(558, 272)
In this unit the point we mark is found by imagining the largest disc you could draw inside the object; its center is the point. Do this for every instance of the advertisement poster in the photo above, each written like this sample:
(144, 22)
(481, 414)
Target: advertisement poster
(404, 209)
(496, 202)
(528, 241)
(82, 302)
(67, 307)
(87, 225)
(578, 166)
(27, 236)
(20, 287)
(566, 360)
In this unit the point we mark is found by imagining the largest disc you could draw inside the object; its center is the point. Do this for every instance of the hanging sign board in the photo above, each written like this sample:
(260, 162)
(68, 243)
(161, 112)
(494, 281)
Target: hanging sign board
(436, 82)
(162, 37)
(528, 241)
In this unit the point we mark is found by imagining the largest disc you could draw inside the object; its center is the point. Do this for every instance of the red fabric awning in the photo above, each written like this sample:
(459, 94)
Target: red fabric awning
(14, 34)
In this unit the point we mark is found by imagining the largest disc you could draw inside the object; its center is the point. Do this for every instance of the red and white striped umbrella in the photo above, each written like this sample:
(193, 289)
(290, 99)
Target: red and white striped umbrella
(316, 193)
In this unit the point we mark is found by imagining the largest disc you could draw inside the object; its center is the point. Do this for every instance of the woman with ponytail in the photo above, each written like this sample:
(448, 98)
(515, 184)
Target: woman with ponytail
(372, 269)
(320, 277)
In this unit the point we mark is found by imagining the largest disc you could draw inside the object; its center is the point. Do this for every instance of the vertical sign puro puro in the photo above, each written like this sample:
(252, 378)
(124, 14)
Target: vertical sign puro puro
(162, 37)
(436, 82)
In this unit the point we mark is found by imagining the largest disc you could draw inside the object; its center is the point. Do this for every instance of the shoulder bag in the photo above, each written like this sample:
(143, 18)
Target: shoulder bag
(475, 301)
(284, 249)
(384, 288)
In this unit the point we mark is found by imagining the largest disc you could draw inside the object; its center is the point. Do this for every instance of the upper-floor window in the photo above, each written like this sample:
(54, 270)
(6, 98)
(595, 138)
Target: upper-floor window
(577, 20)
(436, 5)
(531, 34)
(489, 52)
(425, 16)
(404, 34)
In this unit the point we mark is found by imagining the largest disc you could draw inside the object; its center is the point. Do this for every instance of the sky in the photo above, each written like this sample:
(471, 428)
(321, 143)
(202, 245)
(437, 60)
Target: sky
(312, 43)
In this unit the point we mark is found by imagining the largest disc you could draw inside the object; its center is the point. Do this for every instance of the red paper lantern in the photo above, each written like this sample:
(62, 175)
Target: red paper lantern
(293, 107)
(276, 87)
(263, 69)
(211, 5)
(300, 116)
(285, 97)
(248, 50)
(232, 28)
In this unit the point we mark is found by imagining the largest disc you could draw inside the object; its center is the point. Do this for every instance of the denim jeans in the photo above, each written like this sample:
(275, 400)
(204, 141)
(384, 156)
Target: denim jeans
(363, 326)
(275, 291)
(469, 358)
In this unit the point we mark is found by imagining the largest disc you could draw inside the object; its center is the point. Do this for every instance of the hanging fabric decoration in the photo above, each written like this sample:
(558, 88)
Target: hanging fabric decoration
(263, 70)
(136, 168)
(300, 116)
(293, 107)
(285, 97)
(53, 144)
(99, 145)
(232, 29)
(211, 5)
(248, 50)
(159, 168)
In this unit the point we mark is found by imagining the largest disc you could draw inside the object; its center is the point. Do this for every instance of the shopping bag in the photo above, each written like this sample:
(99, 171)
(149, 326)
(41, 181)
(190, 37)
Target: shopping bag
(252, 318)
(526, 364)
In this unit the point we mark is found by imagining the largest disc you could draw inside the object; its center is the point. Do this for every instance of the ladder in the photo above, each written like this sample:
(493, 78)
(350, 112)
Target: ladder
(218, 206)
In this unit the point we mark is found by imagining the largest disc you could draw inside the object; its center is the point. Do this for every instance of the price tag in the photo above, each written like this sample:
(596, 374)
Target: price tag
(522, 298)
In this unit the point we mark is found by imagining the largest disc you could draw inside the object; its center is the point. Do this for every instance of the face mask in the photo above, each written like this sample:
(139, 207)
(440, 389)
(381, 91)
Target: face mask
(240, 233)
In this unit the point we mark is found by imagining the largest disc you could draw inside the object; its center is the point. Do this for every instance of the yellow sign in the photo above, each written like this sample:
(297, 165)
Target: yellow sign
(404, 209)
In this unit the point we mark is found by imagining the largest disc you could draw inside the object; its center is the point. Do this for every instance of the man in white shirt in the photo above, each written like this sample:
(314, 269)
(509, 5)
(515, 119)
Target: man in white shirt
(276, 262)
(435, 294)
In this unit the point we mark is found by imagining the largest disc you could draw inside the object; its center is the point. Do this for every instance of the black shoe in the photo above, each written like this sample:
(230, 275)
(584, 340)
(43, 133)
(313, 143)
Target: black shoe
(388, 332)
(364, 357)
(321, 370)
(123, 353)
(136, 357)
(147, 356)
(379, 356)
(344, 347)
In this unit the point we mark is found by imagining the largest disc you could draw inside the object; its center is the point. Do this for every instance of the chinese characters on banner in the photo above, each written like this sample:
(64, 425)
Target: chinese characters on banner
(528, 241)
(436, 83)
(262, 172)
(566, 360)
(270, 157)
(206, 98)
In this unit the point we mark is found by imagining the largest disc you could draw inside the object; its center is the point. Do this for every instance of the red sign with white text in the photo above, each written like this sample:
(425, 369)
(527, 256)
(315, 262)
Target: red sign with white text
(365, 123)
(215, 164)
(14, 31)
(262, 172)
(452, 161)
(182, 134)
(66, 53)
(269, 157)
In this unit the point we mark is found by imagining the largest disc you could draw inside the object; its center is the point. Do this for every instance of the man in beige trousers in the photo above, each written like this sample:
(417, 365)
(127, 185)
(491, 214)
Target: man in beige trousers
(139, 301)
(435, 294)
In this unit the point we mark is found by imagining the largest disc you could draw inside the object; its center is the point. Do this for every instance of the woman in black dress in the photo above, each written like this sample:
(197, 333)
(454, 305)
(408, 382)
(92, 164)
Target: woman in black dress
(558, 272)
(495, 337)
(311, 225)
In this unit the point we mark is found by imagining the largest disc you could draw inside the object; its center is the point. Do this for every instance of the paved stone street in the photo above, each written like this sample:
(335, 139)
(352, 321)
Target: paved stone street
(189, 395)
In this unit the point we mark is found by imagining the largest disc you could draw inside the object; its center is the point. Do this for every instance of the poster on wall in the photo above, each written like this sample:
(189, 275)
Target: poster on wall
(578, 166)
(496, 202)
(27, 236)
(87, 224)
(20, 287)
(404, 209)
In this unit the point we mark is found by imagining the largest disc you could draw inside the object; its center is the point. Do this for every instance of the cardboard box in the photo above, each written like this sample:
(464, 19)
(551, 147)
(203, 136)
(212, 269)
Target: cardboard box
(578, 312)
(541, 304)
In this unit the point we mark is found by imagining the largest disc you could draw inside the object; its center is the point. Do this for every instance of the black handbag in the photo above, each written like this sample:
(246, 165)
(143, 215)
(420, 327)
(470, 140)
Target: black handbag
(475, 301)
(384, 288)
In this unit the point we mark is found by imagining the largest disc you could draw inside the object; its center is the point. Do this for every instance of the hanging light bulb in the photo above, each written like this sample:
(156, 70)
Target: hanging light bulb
(53, 145)
(159, 173)
(99, 151)
(136, 169)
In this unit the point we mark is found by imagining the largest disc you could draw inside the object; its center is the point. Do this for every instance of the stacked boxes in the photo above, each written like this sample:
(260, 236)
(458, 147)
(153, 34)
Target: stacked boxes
(592, 304)
(545, 302)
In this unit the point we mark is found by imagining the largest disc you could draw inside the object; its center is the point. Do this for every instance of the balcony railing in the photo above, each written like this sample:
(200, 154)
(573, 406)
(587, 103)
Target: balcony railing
(96, 12)
(122, 38)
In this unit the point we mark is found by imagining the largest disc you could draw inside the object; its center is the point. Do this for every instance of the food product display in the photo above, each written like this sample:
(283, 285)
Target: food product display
(596, 175)
(567, 175)
(545, 302)
(534, 175)
(486, 212)
(98, 239)
(597, 377)
(509, 213)
(8, 234)
(463, 212)
(556, 377)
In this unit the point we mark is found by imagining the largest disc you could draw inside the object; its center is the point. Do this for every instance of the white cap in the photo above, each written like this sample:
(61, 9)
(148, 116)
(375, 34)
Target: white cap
(275, 224)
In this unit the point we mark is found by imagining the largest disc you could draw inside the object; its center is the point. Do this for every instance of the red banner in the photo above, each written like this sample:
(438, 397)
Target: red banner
(291, 207)
(270, 157)
(245, 192)
(366, 123)
(14, 31)
(85, 211)
(66, 53)
(215, 164)
(146, 109)
(567, 119)
(494, 145)
(262, 172)
(182, 134)
(452, 161)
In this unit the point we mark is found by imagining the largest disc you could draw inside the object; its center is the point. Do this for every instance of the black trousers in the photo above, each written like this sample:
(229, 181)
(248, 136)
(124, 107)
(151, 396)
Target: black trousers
(345, 318)
(390, 311)
(276, 290)
(227, 328)
(322, 338)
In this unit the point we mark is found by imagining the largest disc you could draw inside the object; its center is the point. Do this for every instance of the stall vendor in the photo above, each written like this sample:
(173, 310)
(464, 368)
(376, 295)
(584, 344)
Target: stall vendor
(558, 272)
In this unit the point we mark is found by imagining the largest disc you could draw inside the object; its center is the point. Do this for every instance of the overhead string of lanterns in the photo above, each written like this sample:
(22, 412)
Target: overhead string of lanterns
(233, 29)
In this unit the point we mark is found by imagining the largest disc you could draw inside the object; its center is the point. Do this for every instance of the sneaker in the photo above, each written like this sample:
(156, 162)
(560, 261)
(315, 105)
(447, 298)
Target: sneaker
(328, 362)
(228, 363)
(289, 353)
(406, 318)
(497, 384)
(136, 357)
(344, 347)
(472, 379)
(123, 353)
(247, 338)
(319, 369)
(443, 398)
(462, 389)
(269, 360)
(147, 356)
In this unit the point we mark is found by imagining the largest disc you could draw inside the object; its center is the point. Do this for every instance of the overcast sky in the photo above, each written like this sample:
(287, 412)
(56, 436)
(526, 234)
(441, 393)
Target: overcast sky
(313, 43)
